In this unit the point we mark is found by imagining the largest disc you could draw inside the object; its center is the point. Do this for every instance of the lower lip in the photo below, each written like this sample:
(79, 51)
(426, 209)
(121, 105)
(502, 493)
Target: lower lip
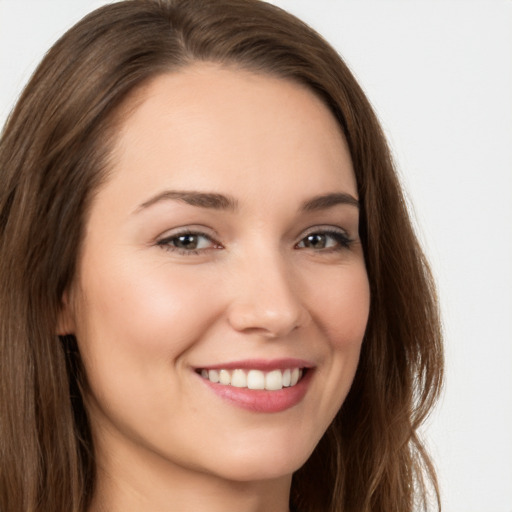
(261, 400)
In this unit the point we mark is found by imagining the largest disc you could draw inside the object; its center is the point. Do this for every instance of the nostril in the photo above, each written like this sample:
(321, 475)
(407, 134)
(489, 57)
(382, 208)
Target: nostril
(264, 321)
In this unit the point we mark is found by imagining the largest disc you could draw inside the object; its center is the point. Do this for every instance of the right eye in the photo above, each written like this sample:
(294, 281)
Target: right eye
(187, 243)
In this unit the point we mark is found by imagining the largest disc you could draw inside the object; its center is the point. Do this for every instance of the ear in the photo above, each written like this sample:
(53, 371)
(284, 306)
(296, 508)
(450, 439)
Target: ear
(66, 317)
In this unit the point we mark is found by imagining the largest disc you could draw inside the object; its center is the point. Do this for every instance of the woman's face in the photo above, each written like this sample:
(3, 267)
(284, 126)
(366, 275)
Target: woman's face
(224, 245)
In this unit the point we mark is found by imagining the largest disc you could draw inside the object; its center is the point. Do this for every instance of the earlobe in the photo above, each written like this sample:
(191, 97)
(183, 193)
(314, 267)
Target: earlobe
(66, 317)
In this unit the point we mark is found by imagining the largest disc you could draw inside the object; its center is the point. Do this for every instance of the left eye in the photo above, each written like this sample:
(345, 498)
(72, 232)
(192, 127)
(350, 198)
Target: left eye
(187, 242)
(324, 240)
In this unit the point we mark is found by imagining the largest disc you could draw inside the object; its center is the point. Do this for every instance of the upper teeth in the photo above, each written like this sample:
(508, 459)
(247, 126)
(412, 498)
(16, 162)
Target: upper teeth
(254, 379)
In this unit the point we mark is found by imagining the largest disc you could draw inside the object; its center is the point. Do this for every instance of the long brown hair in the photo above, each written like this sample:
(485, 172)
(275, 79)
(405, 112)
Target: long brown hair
(53, 156)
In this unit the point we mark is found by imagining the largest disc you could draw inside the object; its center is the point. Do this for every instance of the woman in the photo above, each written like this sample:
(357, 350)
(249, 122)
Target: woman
(212, 297)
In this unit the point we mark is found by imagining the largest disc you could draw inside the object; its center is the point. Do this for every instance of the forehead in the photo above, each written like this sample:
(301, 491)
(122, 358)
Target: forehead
(208, 125)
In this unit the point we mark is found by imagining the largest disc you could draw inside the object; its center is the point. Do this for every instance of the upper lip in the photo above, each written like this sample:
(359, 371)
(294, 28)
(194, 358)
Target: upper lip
(260, 364)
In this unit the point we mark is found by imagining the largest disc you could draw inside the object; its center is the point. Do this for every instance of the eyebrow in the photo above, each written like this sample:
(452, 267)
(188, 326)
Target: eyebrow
(201, 199)
(216, 201)
(325, 201)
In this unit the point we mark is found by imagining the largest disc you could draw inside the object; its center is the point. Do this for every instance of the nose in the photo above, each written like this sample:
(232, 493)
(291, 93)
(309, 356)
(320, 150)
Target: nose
(267, 300)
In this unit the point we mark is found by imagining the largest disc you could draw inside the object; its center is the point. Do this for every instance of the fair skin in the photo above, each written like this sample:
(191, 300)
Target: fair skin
(172, 287)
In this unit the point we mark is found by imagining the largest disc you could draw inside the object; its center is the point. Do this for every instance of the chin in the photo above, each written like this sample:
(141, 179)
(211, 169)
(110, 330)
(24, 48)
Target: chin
(259, 462)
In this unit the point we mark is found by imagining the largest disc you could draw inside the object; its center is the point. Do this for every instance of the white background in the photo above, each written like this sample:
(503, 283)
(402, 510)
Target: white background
(439, 74)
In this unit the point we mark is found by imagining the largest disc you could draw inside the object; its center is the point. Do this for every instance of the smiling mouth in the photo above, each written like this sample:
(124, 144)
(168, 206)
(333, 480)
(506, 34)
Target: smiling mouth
(254, 379)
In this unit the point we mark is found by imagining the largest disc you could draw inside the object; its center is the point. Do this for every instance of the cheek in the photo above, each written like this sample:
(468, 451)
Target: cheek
(343, 306)
(146, 307)
(134, 330)
(342, 310)
(134, 326)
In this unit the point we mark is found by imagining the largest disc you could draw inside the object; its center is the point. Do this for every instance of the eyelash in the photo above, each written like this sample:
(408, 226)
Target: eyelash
(343, 241)
(341, 238)
(167, 243)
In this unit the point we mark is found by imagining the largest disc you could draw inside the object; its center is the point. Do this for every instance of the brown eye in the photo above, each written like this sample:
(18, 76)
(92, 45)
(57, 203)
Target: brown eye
(190, 242)
(325, 240)
(316, 241)
(187, 242)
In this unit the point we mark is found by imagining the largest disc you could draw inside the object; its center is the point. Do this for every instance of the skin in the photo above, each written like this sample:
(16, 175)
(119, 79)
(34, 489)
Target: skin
(147, 314)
